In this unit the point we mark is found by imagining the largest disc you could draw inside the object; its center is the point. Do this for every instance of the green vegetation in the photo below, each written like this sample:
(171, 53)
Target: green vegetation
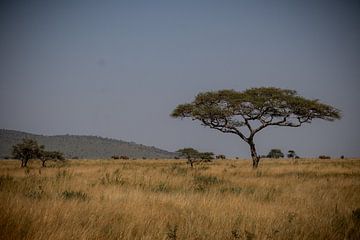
(275, 153)
(26, 150)
(247, 113)
(192, 155)
(82, 147)
(30, 149)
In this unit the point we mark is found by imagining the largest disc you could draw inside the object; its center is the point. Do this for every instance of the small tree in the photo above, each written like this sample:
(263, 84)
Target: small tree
(50, 155)
(247, 113)
(275, 153)
(220, 156)
(291, 154)
(206, 156)
(190, 154)
(26, 150)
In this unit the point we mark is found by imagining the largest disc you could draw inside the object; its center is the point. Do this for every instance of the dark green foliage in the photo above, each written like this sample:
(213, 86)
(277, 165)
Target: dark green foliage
(206, 156)
(221, 156)
(51, 155)
(26, 150)
(74, 195)
(275, 153)
(292, 154)
(248, 112)
(192, 155)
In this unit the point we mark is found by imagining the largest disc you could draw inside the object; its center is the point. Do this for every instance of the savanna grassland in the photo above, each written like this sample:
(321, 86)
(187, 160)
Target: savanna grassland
(166, 199)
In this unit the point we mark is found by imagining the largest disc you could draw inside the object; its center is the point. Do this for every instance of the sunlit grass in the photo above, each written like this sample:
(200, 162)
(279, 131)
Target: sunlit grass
(166, 199)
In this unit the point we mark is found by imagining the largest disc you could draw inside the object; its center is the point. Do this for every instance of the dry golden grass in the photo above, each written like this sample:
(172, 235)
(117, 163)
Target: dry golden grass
(165, 199)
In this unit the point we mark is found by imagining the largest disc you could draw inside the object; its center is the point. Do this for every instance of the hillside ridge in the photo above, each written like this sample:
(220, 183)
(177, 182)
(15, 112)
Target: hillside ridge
(82, 146)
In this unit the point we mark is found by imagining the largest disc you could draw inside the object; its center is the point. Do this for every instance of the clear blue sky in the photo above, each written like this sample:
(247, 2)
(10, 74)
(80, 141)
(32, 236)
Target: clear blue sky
(118, 68)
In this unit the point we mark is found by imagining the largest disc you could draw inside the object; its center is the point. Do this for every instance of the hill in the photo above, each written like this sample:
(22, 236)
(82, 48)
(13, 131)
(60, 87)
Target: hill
(82, 146)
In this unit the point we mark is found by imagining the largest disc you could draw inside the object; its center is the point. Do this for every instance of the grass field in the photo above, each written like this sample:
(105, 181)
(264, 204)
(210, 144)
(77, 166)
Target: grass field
(165, 199)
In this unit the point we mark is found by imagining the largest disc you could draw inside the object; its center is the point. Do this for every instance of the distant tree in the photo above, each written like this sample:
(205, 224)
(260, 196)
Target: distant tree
(190, 154)
(26, 150)
(50, 155)
(275, 153)
(291, 154)
(247, 113)
(220, 156)
(115, 157)
(324, 157)
(206, 156)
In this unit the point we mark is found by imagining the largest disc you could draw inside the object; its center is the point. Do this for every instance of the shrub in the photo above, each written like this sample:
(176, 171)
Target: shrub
(275, 153)
(74, 195)
(171, 232)
(324, 157)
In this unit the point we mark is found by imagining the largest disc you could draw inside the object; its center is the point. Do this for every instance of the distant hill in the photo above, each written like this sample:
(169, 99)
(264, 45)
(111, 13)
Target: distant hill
(82, 146)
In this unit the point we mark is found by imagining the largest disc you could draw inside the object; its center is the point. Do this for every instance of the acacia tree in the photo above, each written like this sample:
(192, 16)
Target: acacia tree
(275, 153)
(26, 150)
(291, 154)
(248, 112)
(191, 154)
(50, 155)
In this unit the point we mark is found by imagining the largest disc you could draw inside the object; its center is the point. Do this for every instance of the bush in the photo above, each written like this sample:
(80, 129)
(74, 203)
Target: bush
(74, 195)
(324, 157)
(275, 153)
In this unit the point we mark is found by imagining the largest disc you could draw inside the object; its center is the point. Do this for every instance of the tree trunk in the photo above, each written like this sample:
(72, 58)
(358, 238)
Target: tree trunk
(191, 162)
(43, 163)
(24, 162)
(254, 156)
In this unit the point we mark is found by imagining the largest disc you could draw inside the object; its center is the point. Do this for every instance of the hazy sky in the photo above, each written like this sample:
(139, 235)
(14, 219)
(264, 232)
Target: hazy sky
(118, 68)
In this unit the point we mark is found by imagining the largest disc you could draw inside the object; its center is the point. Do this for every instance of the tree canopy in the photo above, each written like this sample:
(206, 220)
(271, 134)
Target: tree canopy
(26, 150)
(30, 149)
(275, 153)
(193, 155)
(248, 112)
(51, 155)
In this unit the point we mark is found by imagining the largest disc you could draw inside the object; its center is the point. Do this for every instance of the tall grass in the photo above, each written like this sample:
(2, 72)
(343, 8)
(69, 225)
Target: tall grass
(159, 199)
